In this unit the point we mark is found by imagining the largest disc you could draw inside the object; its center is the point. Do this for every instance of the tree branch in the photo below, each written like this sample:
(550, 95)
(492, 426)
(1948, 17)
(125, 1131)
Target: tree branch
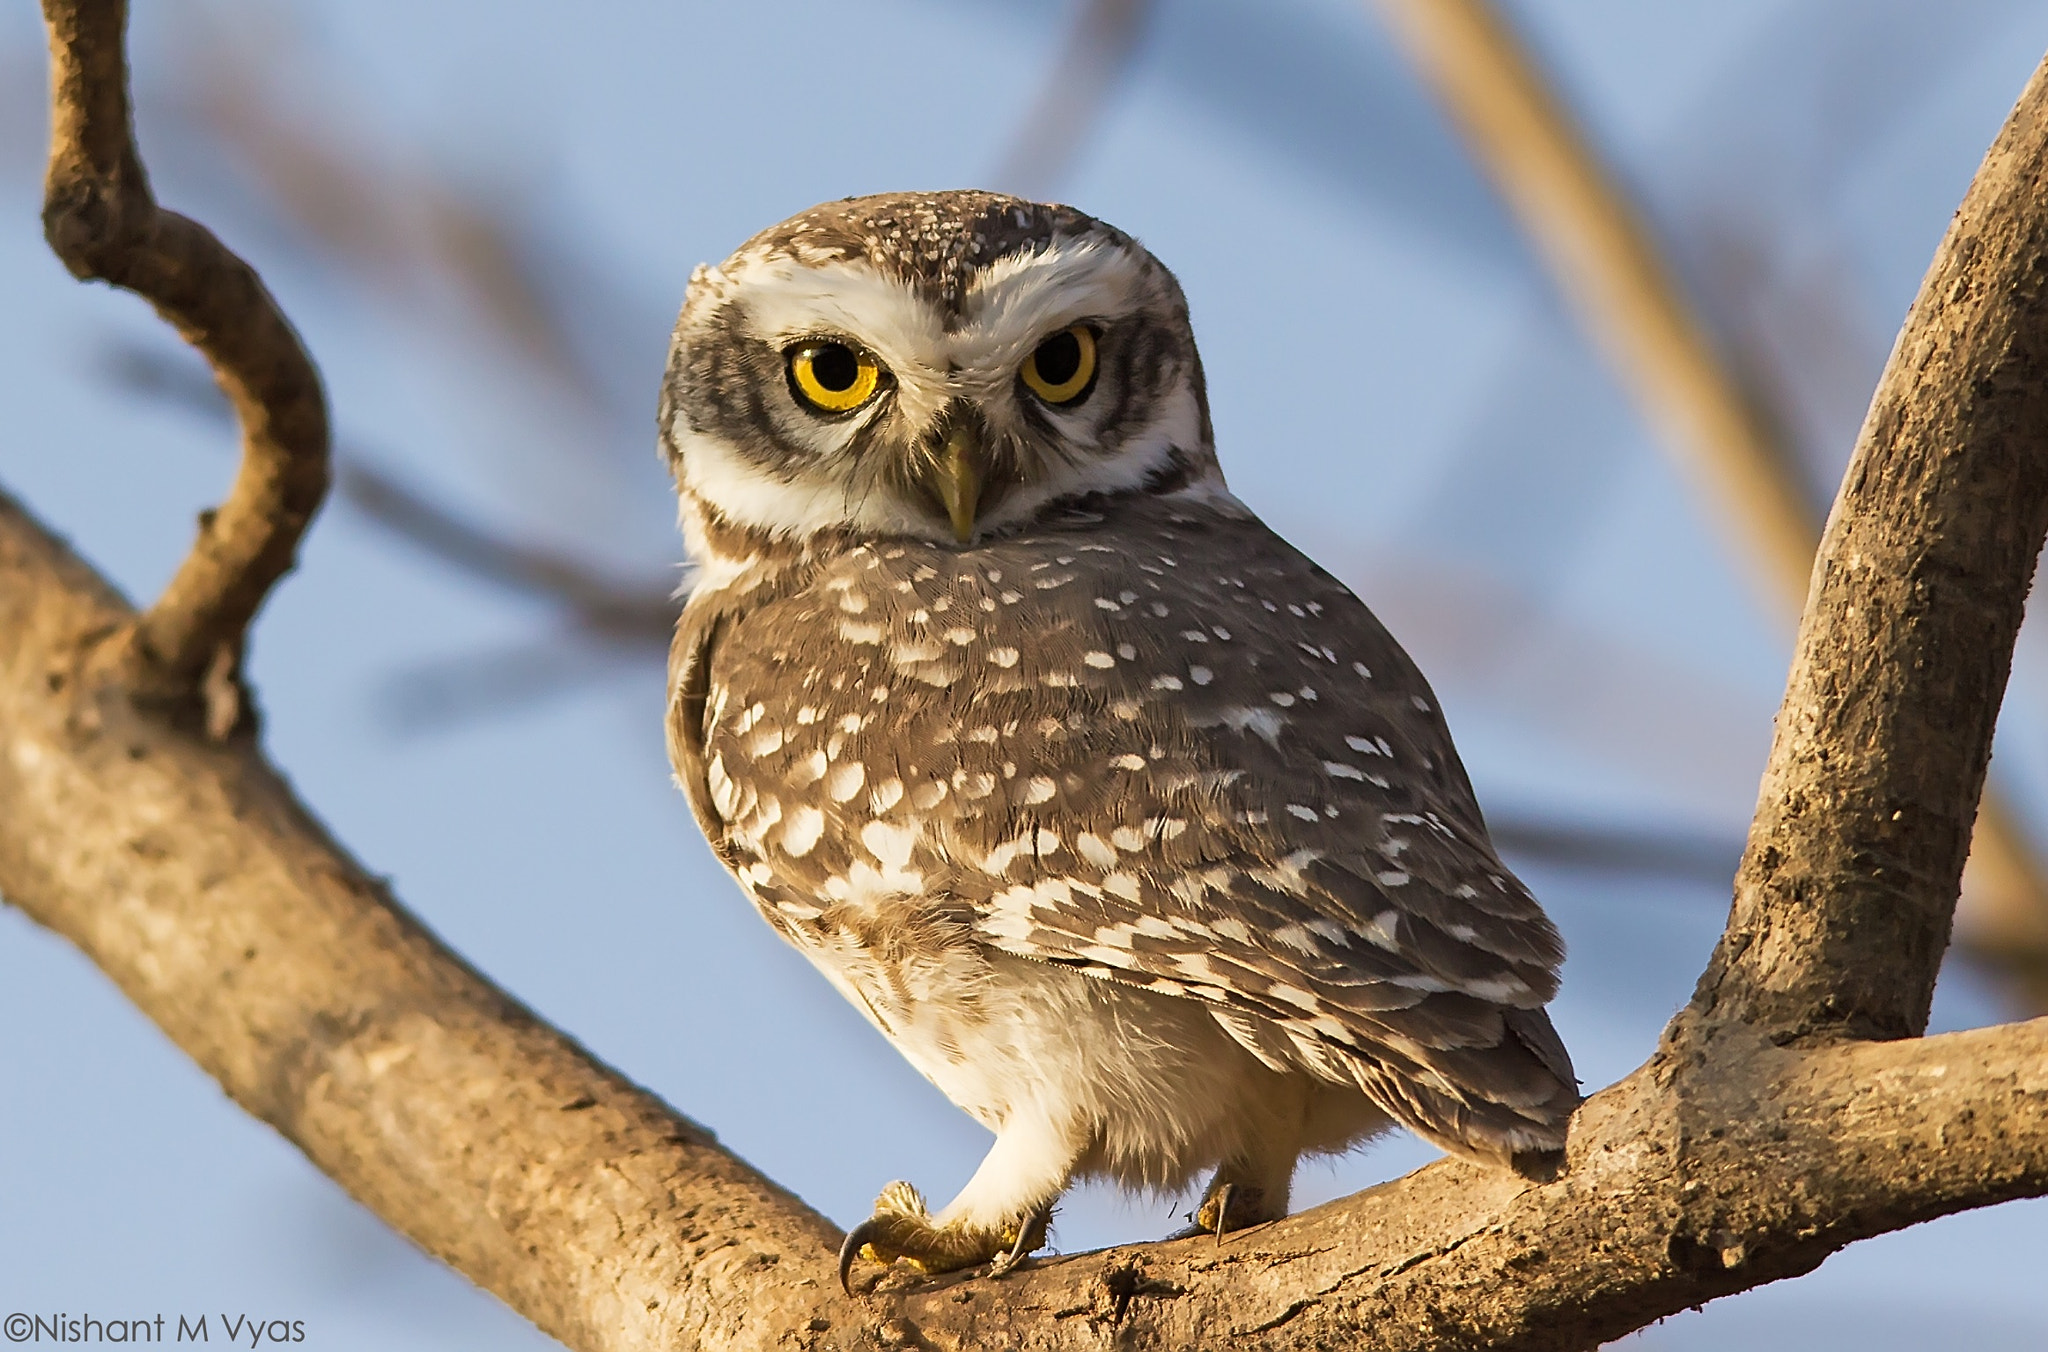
(611, 615)
(612, 608)
(1846, 893)
(187, 871)
(1724, 1163)
(1607, 266)
(639, 611)
(102, 221)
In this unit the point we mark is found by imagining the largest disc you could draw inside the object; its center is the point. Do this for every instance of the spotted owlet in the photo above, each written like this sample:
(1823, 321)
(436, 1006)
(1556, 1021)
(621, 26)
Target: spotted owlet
(1126, 823)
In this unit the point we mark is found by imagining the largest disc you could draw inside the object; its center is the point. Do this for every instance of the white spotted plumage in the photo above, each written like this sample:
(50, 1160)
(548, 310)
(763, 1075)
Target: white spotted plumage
(1127, 824)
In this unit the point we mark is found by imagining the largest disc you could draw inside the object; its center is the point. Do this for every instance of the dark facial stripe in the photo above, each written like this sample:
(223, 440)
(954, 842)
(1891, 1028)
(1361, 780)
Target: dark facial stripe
(722, 378)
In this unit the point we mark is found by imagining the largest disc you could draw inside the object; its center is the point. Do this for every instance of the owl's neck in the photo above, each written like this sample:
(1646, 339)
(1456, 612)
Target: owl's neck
(726, 552)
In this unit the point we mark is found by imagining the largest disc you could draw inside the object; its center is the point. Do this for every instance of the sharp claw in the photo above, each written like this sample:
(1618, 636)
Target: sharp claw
(1030, 1233)
(857, 1239)
(1017, 1249)
(1222, 1210)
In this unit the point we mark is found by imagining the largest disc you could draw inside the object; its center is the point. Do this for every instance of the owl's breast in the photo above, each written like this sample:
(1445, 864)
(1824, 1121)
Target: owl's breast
(912, 718)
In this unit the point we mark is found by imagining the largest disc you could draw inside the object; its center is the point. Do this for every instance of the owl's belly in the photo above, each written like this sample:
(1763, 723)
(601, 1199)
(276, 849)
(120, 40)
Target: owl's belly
(1150, 1081)
(939, 1003)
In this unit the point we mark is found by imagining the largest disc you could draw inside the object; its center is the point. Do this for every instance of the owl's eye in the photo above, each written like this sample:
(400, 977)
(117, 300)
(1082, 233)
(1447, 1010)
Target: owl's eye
(1062, 370)
(833, 377)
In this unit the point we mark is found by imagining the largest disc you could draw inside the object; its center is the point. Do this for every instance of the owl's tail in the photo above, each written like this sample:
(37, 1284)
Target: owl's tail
(1507, 1104)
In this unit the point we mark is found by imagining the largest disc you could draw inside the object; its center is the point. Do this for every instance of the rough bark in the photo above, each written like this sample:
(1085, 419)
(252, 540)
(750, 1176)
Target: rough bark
(1759, 1138)
(1846, 892)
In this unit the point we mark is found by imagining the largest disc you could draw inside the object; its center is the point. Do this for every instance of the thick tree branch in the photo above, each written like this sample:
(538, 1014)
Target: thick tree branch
(1724, 1163)
(185, 869)
(103, 222)
(1846, 893)
(189, 874)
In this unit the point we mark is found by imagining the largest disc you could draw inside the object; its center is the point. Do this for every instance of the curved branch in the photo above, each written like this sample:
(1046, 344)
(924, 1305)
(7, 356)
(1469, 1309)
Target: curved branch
(102, 221)
(633, 611)
(1846, 893)
(1723, 1164)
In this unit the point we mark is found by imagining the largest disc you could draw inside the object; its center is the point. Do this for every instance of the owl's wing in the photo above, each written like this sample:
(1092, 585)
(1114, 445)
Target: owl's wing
(1282, 828)
(1188, 760)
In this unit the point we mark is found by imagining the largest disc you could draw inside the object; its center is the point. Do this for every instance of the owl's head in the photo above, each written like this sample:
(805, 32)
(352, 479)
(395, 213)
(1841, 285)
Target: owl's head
(937, 365)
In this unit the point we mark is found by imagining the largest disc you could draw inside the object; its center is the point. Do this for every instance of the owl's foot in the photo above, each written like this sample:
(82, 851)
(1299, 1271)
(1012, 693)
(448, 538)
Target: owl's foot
(902, 1228)
(1228, 1207)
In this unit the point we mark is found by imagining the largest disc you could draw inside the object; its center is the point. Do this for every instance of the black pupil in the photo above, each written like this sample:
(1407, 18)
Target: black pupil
(835, 367)
(1058, 358)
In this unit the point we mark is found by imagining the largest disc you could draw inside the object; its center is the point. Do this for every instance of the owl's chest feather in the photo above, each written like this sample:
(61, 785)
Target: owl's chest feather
(917, 722)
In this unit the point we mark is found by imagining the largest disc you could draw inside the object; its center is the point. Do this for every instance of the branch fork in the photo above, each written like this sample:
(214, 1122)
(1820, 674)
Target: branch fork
(103, 222)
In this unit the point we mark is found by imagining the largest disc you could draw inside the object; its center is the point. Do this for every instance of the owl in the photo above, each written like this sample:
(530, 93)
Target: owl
(1128, 825)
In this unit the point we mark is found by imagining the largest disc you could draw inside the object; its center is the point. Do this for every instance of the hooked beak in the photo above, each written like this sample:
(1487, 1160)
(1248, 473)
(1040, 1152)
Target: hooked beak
(956, 477)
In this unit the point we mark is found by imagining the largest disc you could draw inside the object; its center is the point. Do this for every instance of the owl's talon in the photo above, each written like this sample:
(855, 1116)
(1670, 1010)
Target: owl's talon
(1228, 1208)
(902, 1229)
(850, 1248)
(1222, 1209)
(1030, 1238)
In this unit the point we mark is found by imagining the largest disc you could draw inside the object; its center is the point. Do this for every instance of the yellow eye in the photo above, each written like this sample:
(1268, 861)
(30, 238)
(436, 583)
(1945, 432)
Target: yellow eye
(833, 377)
(1063, 367)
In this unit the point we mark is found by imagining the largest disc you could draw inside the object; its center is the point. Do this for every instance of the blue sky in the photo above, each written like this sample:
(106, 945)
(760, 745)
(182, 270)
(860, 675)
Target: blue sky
(1395, 387)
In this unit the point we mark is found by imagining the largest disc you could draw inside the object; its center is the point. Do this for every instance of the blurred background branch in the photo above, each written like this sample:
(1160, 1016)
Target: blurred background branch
(1093, 60)
(605, 617)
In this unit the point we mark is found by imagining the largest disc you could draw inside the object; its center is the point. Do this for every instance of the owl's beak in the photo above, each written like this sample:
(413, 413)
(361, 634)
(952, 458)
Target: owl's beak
(956, 478)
